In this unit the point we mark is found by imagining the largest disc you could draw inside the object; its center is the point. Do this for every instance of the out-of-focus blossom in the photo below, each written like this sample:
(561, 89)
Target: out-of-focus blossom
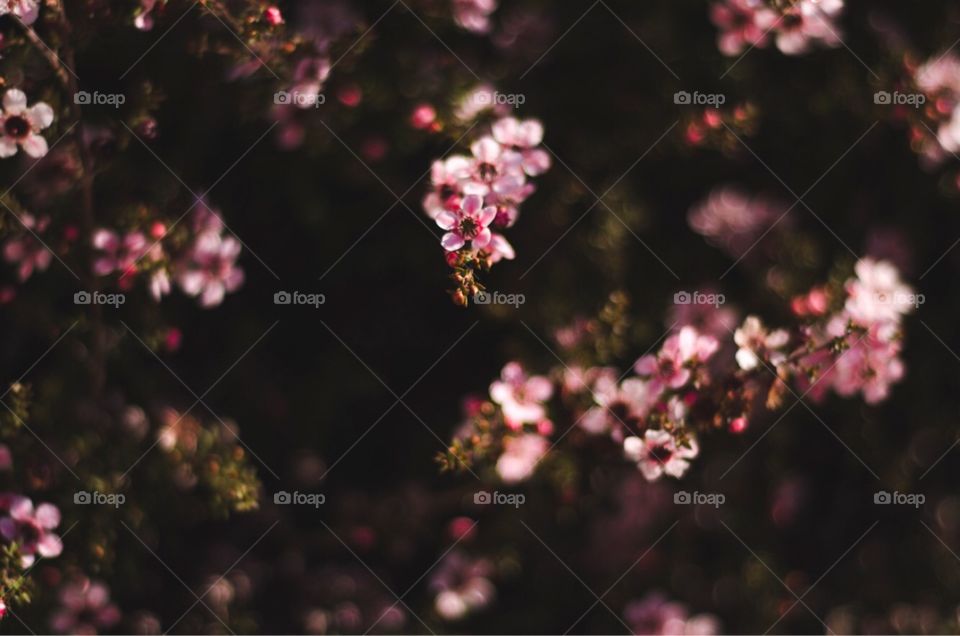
(808, 23)
(462, 585)
(520, 457)
(26, 10)
(620, 408)
(654, 615)
(30, 527)
(20, 125)
(521, 396)
(750, 23)
(734, 220)
(742, 24)
(208, 268)
(85, 608)
(657, 453)
(144, 17)
(474, 15)
(26, 250)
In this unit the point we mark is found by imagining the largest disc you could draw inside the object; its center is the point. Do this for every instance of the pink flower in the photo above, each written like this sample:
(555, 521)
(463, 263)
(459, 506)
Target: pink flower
(742, 24)
(474, 15)
(423, 116)
(26, 250)
(30, 528)
(20, 125)
(469, 223)
(655, 615)
(670, 367)
(523, 136)
(84, 608)
(273, 16)
(618, 407)
(120, 254)
(521, 396)
(520, 457)
(209, 269)
(657, 453)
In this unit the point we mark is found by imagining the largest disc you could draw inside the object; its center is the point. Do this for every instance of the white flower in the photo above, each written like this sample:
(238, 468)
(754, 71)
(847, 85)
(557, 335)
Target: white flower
(19, 125)
(754, 341)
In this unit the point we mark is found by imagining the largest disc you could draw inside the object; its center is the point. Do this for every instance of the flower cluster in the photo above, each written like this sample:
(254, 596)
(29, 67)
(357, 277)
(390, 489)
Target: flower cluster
(937, 131)
(746, 24)
(869, 326)
(656, 615)
(686, 388)
(201, 260)
(475, 197)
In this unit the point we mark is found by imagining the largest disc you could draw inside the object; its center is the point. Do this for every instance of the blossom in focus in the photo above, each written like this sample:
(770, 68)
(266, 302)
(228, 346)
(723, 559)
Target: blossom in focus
(20, 125)
(657, 453)
(520, 396)
(470, 223)
(30, 527)
(85, 608)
